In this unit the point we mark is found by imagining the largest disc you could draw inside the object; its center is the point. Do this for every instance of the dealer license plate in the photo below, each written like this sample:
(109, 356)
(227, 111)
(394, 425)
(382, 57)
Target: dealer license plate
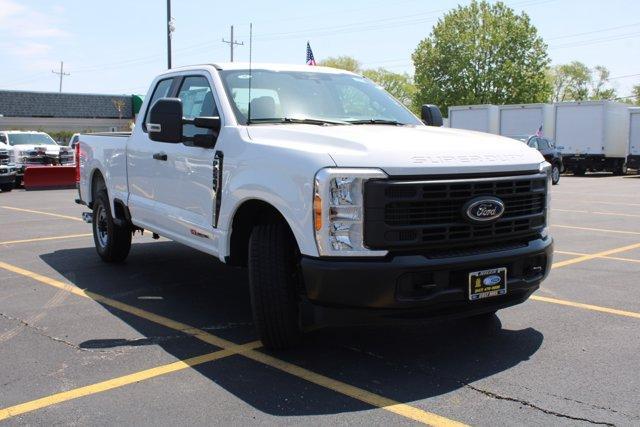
(487, 283)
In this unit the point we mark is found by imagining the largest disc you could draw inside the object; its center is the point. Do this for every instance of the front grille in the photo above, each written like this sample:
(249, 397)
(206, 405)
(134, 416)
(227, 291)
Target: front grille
(429, 214)
(4, 157)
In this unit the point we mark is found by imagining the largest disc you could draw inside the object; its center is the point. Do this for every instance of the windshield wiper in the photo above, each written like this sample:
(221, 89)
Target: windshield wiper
(376, 122)
(307, 121)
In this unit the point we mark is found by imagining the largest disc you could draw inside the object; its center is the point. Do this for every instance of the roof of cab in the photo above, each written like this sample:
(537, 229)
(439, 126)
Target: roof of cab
(265, 66)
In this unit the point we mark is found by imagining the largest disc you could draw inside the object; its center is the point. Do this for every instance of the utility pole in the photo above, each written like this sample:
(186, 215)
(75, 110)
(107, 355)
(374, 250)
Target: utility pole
(232, 43)
(170, 29)
(61, 73)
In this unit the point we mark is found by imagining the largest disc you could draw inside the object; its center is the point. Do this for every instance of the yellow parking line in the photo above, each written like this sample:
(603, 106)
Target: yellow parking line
(593, 256)
(65, 396)
(587, 306)
(603, 257)
(568, 210)
(596, 213)
(73, 218)
(616, 214)
(43, 239)
(604, 230)
(362, 395)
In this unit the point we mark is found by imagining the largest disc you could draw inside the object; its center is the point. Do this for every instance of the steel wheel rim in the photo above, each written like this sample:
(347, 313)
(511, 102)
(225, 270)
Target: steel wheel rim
(555, 174)
(102, 231)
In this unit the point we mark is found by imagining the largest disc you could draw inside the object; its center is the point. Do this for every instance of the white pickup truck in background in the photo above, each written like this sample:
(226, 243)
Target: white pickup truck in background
(336, 197)
(28, 148)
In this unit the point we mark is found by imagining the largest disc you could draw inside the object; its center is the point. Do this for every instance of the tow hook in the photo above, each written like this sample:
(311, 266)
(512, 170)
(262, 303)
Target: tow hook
(87, 217)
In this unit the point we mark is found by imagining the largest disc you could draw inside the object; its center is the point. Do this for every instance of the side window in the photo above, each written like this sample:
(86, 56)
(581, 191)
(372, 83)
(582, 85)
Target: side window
(161, 91)
(533, 143)
(3, 139)
(543, 144)
(197, 101)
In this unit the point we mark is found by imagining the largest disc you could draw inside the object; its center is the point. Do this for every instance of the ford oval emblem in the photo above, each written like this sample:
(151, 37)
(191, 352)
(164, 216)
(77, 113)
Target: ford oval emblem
(491, 280)
(483, 209)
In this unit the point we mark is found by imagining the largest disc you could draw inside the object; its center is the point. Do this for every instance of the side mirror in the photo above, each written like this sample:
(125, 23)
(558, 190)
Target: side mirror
(207, 140)
(431, 115)
(165, 121)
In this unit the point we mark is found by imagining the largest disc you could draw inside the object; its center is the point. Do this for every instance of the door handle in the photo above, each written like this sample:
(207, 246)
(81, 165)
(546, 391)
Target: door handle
(160, 156)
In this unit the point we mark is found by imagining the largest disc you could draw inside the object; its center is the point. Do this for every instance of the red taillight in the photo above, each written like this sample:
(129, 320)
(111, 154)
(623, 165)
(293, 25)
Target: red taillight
(78, 162)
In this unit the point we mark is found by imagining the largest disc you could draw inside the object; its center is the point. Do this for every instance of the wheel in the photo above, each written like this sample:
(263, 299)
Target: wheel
(273, 280)
(620, 169)
(18, 182)
(6, 187)
(555, 174)
(112, 241)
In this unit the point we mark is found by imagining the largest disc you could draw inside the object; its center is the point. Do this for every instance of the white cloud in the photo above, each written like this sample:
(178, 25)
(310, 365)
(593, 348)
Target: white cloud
(19, 22)
(26, 48)
(28, 33)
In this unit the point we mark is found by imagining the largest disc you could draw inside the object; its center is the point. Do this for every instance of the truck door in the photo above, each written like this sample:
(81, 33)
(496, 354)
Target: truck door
(193, 167)
(146, 174)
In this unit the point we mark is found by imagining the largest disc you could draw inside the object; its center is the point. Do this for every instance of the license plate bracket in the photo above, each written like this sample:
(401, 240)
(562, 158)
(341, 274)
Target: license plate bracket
(487, 283)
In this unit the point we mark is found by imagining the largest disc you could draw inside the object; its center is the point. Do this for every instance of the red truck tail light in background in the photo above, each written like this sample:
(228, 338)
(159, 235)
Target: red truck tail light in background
(78, 163)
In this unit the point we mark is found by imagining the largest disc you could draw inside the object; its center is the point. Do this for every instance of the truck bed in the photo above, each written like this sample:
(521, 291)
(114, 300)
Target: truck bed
(107, 153)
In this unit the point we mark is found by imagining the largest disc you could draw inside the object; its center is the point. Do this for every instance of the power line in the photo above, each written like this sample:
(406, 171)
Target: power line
(597, 41)
(602, 30)
(624, 77)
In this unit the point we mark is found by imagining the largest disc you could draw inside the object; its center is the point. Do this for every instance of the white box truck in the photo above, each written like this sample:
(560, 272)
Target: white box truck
(526, 119)
(480, 118)
(594, 135)
(633, 160)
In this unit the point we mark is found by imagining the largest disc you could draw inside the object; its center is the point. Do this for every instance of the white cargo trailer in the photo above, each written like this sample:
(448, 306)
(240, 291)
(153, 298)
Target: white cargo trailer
(594, 135)
(526, 119)
(633, 160)
(481, 118)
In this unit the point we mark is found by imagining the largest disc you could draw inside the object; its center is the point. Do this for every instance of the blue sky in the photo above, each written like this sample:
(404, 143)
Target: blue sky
(117, 46)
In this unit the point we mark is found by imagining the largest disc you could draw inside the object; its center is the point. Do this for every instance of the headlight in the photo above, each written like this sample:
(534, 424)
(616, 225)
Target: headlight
(338, 211)
(545, 167)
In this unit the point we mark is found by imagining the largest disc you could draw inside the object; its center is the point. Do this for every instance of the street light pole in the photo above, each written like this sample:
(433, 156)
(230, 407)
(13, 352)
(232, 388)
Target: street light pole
(169, 30)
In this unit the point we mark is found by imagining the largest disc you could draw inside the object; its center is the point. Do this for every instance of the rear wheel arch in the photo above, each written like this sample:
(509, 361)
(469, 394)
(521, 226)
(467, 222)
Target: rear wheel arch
(249, 214)
(97, 183)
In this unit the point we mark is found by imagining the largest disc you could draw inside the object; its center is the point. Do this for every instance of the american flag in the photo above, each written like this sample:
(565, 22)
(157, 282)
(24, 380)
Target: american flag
(310, 59)
(539, 131)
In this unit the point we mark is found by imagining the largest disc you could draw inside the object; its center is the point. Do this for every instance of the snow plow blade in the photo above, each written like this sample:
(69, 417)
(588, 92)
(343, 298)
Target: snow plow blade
(49, 177)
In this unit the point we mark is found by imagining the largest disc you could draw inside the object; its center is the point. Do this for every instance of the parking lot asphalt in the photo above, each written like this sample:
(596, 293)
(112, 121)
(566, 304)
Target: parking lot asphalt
(167, 338)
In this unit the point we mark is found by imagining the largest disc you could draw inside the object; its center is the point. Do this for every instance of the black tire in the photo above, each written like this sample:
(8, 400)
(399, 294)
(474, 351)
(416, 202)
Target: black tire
(555, 174)
(6, 187)
(18, 182)
(273, 280)
(112, 241)
(620, 169)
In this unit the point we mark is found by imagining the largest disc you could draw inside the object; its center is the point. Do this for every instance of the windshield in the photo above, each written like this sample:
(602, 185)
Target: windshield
(334, 98)
(30, 139)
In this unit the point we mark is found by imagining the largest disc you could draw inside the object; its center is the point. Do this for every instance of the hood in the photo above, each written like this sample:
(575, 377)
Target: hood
(405, 150)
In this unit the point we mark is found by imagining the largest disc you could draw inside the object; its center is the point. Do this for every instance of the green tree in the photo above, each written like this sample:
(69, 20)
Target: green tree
(600, 83)
(342, 62)
(577, 82)
(636, 93)
(399, 85)
(481, 53)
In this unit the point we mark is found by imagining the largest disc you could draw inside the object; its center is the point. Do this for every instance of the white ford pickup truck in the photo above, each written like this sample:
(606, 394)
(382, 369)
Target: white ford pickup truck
(335, 196)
